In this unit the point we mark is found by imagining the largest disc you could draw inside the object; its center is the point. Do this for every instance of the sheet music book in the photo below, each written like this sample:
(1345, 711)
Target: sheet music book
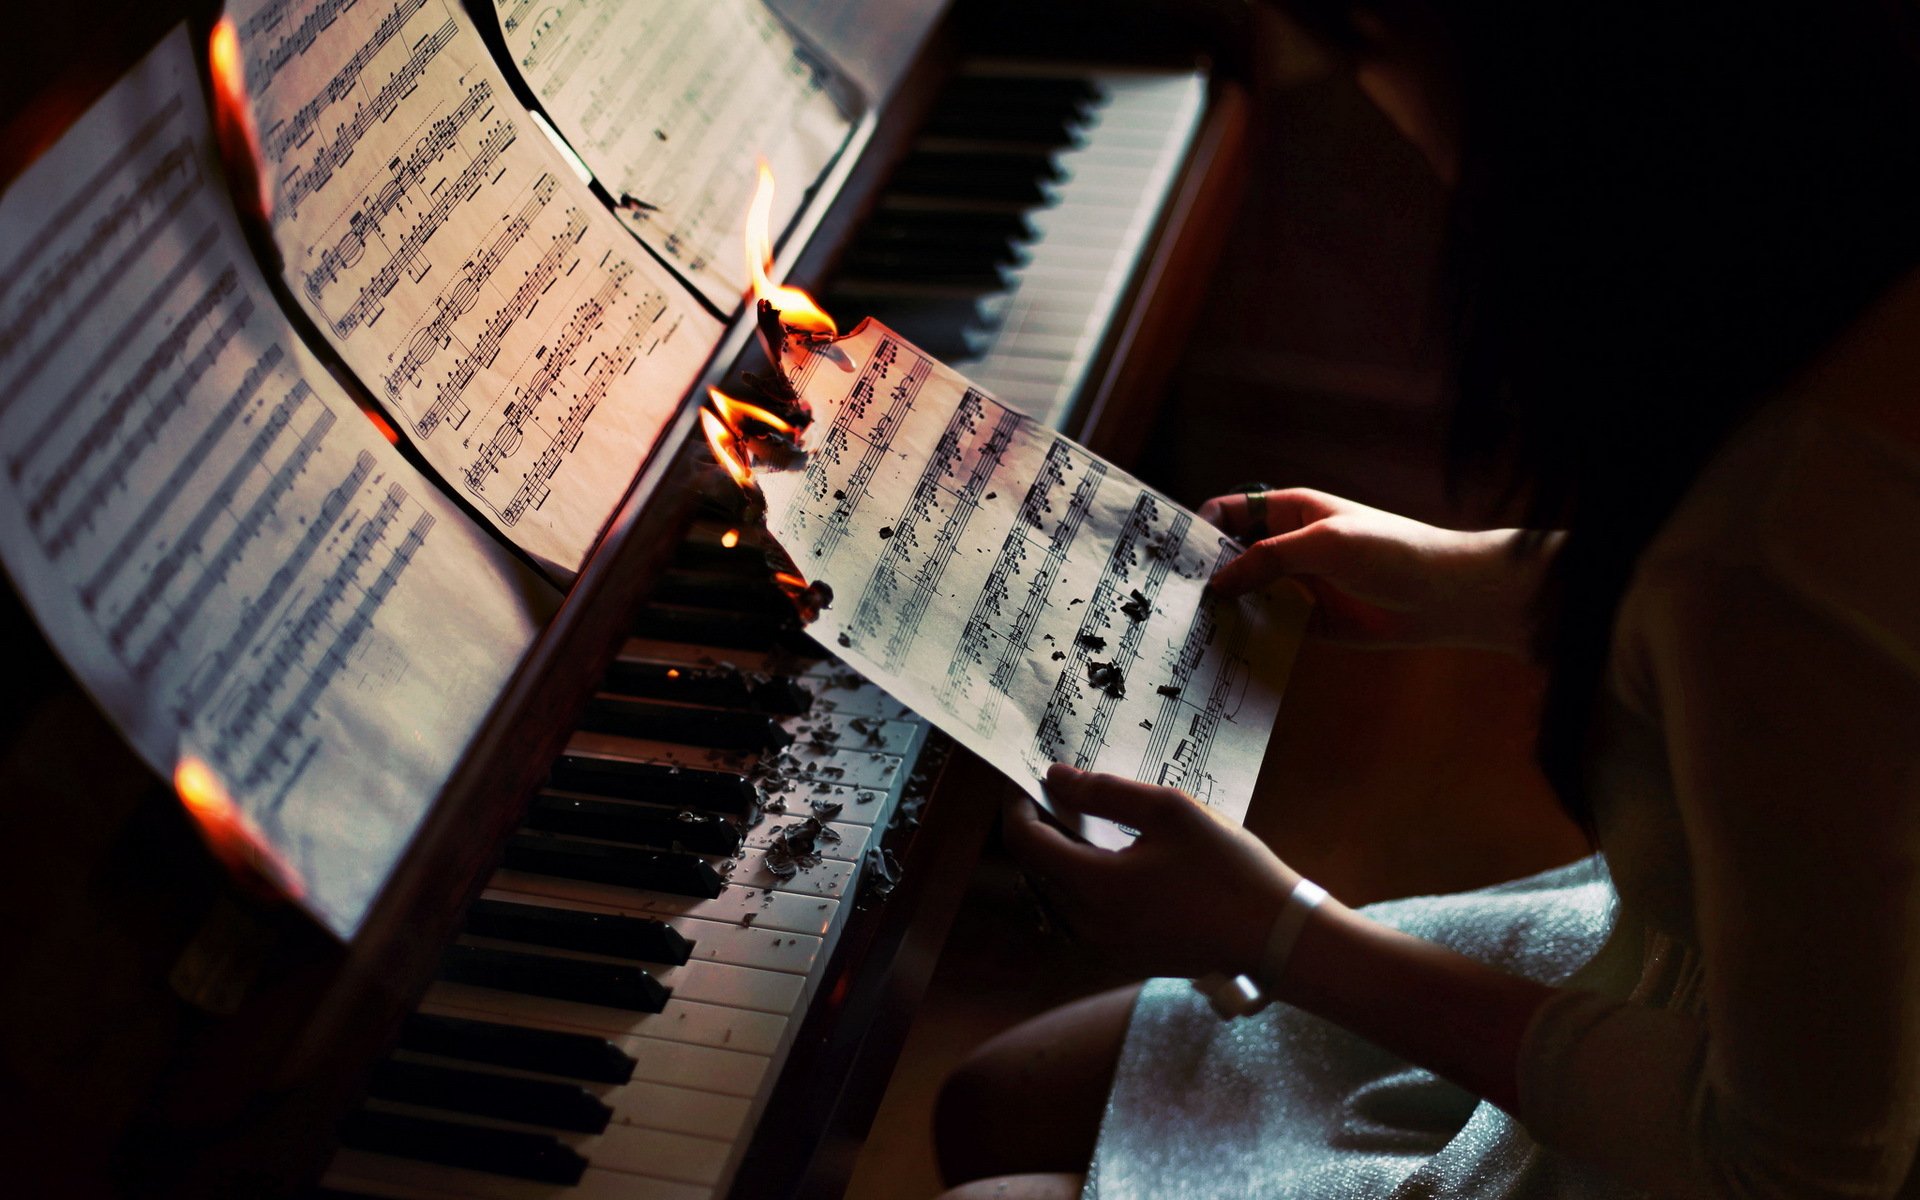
(517, 334)
(214, 537)
(669, 104)
(1034, 601)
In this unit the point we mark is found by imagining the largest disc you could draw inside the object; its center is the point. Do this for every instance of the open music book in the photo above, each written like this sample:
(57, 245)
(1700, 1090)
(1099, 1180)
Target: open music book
(274, 604)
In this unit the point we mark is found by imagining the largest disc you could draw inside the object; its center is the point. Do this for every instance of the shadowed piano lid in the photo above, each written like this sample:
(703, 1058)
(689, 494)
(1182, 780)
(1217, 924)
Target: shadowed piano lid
(169, 1093)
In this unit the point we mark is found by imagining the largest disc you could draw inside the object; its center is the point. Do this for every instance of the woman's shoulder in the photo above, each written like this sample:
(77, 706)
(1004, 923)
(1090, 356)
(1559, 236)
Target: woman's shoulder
(1816, 500)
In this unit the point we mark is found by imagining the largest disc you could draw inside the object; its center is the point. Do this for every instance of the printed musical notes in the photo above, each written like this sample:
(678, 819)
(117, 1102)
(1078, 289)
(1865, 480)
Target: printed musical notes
(669, 104)
(214, 537)
(1037, 603)
(520, 338)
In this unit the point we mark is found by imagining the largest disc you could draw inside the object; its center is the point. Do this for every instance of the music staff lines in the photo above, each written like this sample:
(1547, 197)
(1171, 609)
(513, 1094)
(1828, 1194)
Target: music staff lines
(1199, 635)
(53, 279)
(449, 402)
(1049, 736)
(1127, 652)
(460, 297)
(334, 659)
(209, 677)
(369, 220)
(875, 441)
(585, 321)
(138, 240)
(320, 168)
(162, 497)
(878, 595)
(73, 466)
(254, 701)
(603, 374)
(188, 542)
(926, 581)
(295, 130)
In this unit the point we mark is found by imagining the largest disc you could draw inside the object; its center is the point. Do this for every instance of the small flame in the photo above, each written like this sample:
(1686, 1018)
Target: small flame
(740, 416)
(797, 309)
(233, 118)
(727, 450)
(789, 581)
(730, 538)
(234, 839)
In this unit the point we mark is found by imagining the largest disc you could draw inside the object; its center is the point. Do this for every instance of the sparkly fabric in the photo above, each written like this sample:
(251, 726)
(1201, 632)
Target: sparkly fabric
(1287, 1105)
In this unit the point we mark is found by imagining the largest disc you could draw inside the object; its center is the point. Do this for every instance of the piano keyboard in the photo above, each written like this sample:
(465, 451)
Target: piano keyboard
(617, 1010)
(1008, 235)
(616, 1014)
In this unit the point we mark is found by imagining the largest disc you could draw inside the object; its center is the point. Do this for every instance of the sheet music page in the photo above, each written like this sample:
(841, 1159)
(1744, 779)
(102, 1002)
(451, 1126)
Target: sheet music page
(521, 339)
(1037, 603)
(669, 104)
(214, 537)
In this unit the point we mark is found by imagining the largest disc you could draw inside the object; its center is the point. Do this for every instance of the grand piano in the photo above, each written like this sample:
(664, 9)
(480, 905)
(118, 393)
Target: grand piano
(589, 977)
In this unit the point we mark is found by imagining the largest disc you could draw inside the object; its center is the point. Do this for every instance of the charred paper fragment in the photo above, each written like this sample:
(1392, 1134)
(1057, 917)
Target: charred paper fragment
(1108, 678)
(1137, 607)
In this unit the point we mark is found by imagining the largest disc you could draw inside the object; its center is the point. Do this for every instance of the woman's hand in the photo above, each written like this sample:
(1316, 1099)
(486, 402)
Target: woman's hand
(1380, 579)
(1193, 895)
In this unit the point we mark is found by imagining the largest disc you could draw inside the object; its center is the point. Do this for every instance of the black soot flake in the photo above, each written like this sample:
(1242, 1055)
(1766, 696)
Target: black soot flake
(1107, 678)
(839, 495)
(1076, 600)
(1091, 641)
(1058, 655)
(844, 640)
(1137, 608)
(886, 531)
(1167, 689)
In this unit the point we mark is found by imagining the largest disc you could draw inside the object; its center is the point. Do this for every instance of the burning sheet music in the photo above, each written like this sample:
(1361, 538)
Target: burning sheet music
(521, 339)
(669, 104)
(1034, 601)
(271, 604)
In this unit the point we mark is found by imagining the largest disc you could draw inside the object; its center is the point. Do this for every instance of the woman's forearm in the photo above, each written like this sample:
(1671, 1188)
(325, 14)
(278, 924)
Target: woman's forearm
(1433, 1007)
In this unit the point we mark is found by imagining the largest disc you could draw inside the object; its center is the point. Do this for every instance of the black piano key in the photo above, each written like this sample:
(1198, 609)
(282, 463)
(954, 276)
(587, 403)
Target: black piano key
(1051, 126)
(537, 1156)
(710, 728)
(721, 687)
(614, 985)
(959, 270)
(1020, 91)
(898, 223)
(716, 627)
(725, 792)
(622, 866)
(482, 1094)
(1021, 179)
(569, 1055)
(724, 590)
(627, 821)
(570, 929)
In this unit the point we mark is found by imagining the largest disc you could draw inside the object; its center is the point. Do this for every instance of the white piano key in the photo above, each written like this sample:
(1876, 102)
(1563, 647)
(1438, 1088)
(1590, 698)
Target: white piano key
(706, 982)
(682, 1110)
(858, 806)
(852, 843)
(715, 1025)
(405, 1179)
(851, 731)
(716, 941)
(740, 903)
(827, 879)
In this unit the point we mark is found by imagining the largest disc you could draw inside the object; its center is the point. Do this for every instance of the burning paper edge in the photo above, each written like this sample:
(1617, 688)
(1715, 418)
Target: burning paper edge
(232, 836)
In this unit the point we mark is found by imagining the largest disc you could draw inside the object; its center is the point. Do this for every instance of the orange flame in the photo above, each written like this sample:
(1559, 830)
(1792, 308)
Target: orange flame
(790, 582)
(740, 416)
(730, 538)
(797, 309)
(234, 839)
(727, 450)
(233, 118)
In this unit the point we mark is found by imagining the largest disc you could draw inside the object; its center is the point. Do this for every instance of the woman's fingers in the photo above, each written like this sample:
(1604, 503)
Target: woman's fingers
(1248, 515)
(1140, 806)
(1308, 551)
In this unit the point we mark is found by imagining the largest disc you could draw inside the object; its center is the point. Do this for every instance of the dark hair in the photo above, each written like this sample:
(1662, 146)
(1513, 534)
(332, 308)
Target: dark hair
(1665, 211)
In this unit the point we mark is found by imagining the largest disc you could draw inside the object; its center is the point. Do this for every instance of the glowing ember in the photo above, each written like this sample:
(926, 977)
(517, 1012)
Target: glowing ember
(726, 448)
(233, 119)
(798, 312)
(790, 581)
(741, 416)
(233, 838)
(730, 538)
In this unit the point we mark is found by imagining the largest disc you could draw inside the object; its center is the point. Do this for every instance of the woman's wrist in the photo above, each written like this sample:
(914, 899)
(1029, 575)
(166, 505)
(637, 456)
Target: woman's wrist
(1499, 574)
